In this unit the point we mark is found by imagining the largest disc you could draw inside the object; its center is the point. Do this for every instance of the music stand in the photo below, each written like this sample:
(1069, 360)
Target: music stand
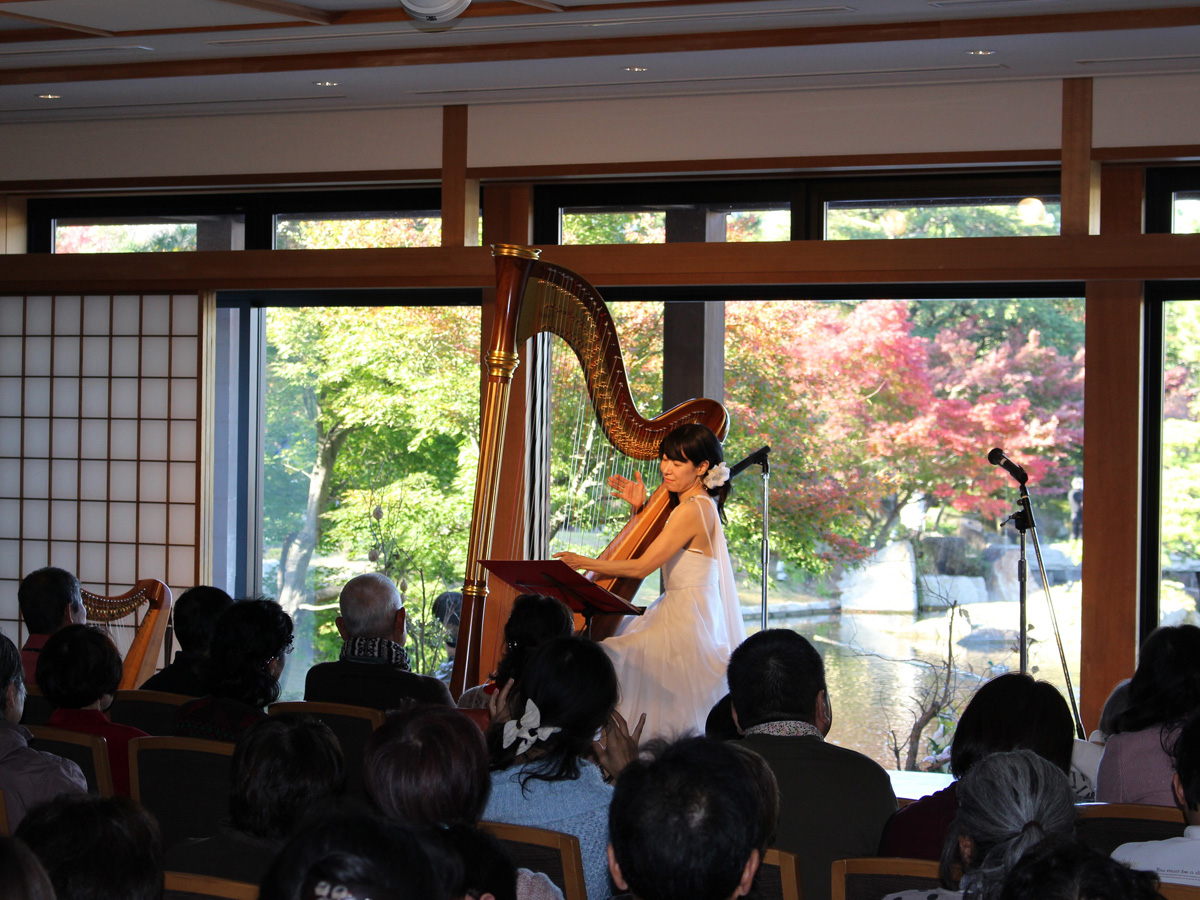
(554, 578)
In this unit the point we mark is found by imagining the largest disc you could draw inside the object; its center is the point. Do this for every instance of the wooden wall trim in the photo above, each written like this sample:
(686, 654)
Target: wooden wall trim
(507, 214)
(1067, 258)
(1123, 200)
(1080, 176)
(460, 195)
(1112, 460)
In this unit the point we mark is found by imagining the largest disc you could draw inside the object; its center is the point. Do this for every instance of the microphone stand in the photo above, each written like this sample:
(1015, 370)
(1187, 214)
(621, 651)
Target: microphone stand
(761, 458)
(1023, 521)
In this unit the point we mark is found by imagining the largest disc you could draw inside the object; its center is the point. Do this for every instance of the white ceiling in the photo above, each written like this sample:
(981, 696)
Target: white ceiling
(137, 58)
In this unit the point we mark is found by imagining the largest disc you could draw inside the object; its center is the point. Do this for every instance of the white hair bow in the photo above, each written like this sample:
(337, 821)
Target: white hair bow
(529, 729)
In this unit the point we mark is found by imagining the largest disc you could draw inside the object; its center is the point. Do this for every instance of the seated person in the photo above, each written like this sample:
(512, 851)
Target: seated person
(1176, 860)
(96, 848)
(250, 644)
(1064, 869)
(27, 776)
(21, 875)
(373, 667)
(833, 801)
(447, 607)
(1007, 804)
(1007, 713)
(49, 600)
(282, 769)
(78, 671)
(684, 824)
(353, 857)
(194, 615)
(474, 865)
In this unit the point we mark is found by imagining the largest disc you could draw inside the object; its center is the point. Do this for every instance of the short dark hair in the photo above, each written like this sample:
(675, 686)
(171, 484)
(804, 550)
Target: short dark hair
(533, 620)
(96, 848)
(282, 767)
(355, 851)
(246, 638)
(11, 671)
(775, 675)
(1011, 712)
(684, 821)
(1165, 687)
(428, 766)
(1062, 868)
(574, 685)
(21, 875)
(44, 597)
(195, 615)
(78, 665)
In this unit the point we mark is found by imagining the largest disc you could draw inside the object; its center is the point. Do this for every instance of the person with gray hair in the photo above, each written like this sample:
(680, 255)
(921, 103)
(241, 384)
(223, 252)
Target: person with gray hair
(27, 776)
(373, 668)
(1007, 804)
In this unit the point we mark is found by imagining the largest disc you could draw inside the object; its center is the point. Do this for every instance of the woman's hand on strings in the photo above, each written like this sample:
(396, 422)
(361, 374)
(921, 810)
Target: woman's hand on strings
(632, 492)
(618, 747)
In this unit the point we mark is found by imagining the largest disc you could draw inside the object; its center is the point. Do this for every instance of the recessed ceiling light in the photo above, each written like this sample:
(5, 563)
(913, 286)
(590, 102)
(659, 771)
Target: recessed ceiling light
(325, 83)
(981, 53)
(49, 96)
(636, 69)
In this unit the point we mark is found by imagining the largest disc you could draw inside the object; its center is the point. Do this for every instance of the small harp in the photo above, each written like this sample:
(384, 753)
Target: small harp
(533, 296)
(142, 611)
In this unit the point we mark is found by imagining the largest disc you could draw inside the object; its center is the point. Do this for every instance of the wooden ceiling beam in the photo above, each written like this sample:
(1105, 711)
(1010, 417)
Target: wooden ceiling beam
(292, 10)
(52, 23)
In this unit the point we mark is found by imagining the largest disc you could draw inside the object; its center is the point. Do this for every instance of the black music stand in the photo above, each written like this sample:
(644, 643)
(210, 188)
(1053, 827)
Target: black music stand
(554, 578)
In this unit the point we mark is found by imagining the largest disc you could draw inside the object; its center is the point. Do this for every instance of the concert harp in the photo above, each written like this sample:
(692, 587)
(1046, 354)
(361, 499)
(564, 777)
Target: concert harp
(533, 297)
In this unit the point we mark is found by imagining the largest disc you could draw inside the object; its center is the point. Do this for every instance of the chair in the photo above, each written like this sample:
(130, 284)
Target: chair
(351, 724)
(3, 816)
(186, 886)
(1106, 826)
(37, 707)
(184, 782)
(778, 876)
(88, 751)
(1179, 891)
(553, 853)
(872, 878)
(151, 711)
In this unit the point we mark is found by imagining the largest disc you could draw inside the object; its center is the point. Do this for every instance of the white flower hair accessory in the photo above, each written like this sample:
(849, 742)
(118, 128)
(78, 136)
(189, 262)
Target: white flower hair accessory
(716, 476)
(529, 729)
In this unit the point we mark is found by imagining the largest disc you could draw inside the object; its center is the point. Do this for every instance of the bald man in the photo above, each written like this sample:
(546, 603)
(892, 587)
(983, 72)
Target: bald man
(373, 668)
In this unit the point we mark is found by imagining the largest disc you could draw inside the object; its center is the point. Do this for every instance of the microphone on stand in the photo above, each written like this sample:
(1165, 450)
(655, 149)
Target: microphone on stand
(997, 458)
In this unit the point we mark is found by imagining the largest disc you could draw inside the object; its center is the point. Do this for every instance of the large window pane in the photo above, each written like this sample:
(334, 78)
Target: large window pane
(1180, 518)
(161, 236)
(977, 217)
(599, 227)
(341, 232)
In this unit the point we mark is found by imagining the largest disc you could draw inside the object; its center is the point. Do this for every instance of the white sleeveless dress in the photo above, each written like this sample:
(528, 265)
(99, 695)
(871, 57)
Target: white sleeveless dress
(671, 660)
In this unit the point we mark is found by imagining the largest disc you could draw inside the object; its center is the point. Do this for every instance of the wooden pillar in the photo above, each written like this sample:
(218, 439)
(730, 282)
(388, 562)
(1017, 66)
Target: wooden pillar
(693, 332)
(1122, 200)
(12, 224)
(1080, 175)
(508, 214)
(460, 195)
(1112, 468)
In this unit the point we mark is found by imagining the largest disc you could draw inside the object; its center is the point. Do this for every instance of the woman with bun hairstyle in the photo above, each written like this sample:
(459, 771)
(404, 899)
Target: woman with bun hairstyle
(671, 660)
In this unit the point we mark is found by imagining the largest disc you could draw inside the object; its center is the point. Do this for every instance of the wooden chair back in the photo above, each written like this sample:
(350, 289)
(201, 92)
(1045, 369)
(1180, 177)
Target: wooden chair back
(778, 876)
(183, 782)
(186, 886)
(1179, 891)
(1106, 826)
(88, 751)
(872, 878)
(3, 816)
(151, 711)
(351, 724)
(553, 853)
(37, 707)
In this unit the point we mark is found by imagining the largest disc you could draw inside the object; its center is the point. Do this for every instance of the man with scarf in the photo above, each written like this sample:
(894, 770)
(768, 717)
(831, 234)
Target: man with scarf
(373, 667)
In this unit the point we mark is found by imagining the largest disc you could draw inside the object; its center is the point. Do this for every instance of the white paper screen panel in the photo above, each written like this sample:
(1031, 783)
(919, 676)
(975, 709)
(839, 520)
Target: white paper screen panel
(99, 441)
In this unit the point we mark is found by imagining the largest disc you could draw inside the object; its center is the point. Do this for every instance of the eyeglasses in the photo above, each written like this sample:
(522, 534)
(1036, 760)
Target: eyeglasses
(288, 647)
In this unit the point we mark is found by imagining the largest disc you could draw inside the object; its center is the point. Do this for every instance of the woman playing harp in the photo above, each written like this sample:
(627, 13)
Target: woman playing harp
(671, 660)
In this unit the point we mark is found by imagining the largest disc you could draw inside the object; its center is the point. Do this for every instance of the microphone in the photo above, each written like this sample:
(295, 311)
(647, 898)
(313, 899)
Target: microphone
(997, 458)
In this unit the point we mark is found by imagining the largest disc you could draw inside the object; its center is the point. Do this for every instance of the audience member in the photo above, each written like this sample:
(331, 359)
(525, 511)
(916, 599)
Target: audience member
(1064, 869)
(427, 766)
(833, 801)
(373, 669)
(352, 857)
(194, 616)
(447, 607)
(542, 774)
(767, 791)
(685, 824)
(78, 671)
(1010, 712)
(96, 848)
(533, 620)
(1165, 689)
(1176, 860)
(474, 865)
(250, 644)
(1007, 803)
(49, 600)
(282, 769)
(21, 875)
(27, 776)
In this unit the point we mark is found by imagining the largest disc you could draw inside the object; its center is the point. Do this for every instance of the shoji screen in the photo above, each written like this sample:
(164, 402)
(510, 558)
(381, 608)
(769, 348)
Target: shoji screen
(101, 440)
